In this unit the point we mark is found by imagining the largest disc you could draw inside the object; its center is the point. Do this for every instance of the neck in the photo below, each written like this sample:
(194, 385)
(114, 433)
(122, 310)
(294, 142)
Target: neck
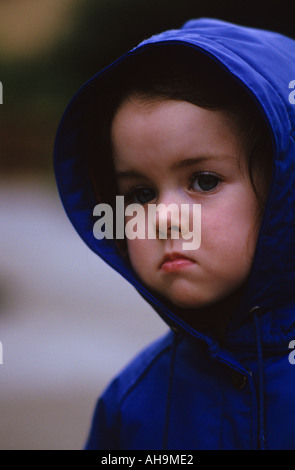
(212, 318)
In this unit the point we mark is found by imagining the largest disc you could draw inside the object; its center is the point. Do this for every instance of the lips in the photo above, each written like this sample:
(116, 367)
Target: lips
(175, 261)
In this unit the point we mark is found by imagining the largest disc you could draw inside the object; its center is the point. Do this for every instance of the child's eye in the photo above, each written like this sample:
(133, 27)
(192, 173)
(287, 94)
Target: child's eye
(205, 182)
(141, 195)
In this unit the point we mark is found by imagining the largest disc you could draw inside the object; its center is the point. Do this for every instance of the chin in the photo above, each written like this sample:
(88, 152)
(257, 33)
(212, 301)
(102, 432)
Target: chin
(184, 299)
(187, 304)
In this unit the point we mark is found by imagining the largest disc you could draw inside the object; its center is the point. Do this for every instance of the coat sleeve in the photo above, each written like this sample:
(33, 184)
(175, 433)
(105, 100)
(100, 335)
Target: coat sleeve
(108, 428)
(105, 426)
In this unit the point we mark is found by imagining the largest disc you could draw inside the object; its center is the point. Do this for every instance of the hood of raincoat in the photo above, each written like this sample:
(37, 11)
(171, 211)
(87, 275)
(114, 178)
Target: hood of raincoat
(264, 63)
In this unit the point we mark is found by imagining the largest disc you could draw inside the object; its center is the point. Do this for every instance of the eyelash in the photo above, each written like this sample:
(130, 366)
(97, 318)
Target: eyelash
(129, 195)
(205, 173)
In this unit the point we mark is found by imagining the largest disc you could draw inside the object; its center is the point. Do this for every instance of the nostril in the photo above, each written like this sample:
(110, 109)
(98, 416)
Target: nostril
(172, 231)
(166, 219)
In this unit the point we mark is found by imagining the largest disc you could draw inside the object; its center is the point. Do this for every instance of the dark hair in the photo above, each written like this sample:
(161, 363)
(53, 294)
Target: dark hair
(179, 72)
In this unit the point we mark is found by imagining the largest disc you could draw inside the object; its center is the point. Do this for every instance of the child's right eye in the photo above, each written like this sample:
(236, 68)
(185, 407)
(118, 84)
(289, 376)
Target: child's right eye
(140, 195)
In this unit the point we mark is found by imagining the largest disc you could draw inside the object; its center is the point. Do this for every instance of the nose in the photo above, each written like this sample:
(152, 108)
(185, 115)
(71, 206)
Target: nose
(172, 218)
(168, 221)
(165, 217)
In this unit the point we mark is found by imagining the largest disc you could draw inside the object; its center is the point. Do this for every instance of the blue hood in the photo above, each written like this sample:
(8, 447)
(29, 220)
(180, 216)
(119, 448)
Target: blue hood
(264, 63)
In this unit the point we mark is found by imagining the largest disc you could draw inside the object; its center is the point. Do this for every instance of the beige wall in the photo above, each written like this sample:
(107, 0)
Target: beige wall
(27, 27)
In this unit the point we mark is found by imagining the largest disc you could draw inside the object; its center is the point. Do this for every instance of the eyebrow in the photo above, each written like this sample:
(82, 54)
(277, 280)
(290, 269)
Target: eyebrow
(187, 162)
(129, 174)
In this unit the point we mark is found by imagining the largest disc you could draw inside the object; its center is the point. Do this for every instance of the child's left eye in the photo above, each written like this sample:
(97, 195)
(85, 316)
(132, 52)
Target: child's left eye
(205, 182)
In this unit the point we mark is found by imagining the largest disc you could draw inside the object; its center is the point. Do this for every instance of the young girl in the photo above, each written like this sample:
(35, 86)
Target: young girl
(199, 115)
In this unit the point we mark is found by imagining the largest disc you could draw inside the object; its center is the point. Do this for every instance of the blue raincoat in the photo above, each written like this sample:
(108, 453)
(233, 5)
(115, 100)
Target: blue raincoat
(187, 391)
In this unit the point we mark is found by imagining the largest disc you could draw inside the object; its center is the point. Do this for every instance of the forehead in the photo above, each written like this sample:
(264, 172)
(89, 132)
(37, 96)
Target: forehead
(163, 132)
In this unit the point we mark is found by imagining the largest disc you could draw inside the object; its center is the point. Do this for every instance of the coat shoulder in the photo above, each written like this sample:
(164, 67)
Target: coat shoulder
(107, 419)
(135, 371)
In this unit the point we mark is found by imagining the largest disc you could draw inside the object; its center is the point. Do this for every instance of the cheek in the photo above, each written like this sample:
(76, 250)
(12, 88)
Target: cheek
(230, 231)
(135, 229)
(141, 254)
(136, 251)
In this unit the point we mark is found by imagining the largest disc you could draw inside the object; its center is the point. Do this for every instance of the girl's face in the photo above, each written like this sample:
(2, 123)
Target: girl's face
(168, 151)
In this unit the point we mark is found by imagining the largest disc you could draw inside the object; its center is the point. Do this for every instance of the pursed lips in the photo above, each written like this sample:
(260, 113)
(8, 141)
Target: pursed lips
(175, 261)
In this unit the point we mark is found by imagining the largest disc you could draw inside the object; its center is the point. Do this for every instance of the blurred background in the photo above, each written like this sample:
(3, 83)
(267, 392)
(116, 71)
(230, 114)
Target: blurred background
(62, 333)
